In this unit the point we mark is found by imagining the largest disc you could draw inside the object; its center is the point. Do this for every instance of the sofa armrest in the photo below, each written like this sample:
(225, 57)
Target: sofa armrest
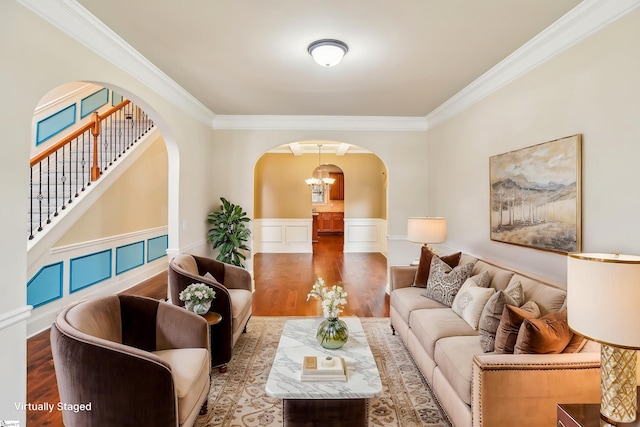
(402, 276)
(525, 389)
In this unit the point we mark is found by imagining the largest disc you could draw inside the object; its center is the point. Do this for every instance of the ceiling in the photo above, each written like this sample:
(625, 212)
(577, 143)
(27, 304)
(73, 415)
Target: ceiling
(247, 57)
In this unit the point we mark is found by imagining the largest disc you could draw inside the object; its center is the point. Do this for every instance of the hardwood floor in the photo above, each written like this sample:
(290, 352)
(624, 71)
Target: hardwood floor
(282, 282)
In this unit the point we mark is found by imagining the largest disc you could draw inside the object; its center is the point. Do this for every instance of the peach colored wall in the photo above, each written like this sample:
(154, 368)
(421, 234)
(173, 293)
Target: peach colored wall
(280, 190)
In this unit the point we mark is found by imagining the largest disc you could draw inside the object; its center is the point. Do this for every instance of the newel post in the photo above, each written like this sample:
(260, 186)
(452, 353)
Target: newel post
(95, 131)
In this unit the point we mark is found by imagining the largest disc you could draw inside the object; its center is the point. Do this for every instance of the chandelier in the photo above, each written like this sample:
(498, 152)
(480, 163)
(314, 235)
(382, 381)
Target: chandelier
(320, 177)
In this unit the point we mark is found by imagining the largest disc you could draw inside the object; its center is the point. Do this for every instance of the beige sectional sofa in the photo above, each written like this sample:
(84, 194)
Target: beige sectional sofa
(488, 389)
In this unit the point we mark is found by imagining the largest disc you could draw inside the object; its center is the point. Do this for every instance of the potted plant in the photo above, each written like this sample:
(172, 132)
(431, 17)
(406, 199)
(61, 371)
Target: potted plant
(229, 233)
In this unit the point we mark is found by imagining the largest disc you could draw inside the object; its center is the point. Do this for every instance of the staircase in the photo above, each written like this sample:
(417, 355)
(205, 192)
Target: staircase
(60, 174)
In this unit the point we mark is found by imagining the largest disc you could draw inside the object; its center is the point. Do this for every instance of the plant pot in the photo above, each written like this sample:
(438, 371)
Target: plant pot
(202, 308)
(332, 333)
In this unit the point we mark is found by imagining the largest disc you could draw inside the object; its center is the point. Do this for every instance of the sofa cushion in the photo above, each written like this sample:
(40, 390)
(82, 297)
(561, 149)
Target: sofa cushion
(431, 325)
(190, 372)
(424, 265)
(444, 281)
(499, 277)
(406, 300)
(510, 322)
(470, 300)
(492, 313)
(454, 357)
(548, 298)
(549, 334)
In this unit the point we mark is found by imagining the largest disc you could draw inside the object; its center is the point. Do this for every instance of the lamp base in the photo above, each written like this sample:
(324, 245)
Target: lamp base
(619, 402)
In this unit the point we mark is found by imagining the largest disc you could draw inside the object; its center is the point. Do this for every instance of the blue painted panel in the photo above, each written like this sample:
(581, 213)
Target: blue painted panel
(94, 101)
(129, 256)
(89, 270)
(46, 285)
(55, 123)
(157, 247)
(116, 98)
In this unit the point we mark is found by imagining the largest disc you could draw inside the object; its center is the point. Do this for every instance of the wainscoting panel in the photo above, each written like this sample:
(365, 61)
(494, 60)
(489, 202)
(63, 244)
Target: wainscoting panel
(55, 123)
(282, 235)
(46, 285)
(129, 257)
(272, 235)
(94, 101)
(365, 235)
(92, 268)
(89, 269)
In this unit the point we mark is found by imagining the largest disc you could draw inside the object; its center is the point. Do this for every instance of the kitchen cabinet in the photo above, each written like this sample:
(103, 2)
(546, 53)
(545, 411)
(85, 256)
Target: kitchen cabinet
(314, 230)
(331, 222)
(337, 189)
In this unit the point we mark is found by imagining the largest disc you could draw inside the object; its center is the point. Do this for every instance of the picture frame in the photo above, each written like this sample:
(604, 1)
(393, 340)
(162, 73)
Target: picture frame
(536, 196)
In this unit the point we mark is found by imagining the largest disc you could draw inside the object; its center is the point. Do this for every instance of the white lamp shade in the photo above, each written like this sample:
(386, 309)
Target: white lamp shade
(603, 297)
(427, 229)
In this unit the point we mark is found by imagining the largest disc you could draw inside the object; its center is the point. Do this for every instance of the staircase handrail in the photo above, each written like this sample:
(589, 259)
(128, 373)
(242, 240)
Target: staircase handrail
(82, 129)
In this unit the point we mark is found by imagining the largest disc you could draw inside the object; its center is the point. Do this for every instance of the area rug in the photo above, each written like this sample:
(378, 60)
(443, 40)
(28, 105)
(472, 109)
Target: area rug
(238, 399)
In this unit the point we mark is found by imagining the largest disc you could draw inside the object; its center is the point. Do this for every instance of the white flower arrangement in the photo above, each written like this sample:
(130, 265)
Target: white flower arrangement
(197, 293)
(333, 299)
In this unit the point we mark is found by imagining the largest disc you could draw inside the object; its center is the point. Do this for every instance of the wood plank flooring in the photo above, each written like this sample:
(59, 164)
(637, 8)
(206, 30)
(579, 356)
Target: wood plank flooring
(282, 282)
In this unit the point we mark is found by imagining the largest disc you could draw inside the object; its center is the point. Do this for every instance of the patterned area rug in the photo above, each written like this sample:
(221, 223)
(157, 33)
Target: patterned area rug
(237, 397)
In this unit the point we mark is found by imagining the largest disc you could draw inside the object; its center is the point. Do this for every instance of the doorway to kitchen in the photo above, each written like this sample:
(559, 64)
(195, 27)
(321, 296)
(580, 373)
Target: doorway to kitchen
(327, 201)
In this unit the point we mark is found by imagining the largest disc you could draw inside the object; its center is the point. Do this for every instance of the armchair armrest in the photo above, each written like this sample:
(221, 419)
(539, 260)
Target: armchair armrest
(179, 328)
(526, 388)
(402, 276)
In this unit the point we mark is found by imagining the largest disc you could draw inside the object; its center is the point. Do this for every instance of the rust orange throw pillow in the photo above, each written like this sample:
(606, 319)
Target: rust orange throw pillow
(424, 265)
(510, 322)
(549, 334)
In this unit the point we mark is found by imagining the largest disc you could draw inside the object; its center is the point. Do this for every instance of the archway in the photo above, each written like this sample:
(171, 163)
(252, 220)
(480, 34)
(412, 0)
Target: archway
(284, 203)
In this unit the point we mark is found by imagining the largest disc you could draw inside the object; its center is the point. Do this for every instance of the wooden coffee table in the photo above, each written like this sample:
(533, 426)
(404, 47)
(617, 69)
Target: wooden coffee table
(331, 403)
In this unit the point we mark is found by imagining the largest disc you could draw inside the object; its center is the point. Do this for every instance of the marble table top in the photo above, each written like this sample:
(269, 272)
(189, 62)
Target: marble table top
(298, 340)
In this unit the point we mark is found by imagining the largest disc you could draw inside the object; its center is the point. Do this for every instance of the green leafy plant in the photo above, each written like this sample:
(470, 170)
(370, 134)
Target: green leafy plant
(229, 232)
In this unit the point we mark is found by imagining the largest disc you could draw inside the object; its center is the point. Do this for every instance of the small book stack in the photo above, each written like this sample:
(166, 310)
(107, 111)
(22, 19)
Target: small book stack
(315, 368)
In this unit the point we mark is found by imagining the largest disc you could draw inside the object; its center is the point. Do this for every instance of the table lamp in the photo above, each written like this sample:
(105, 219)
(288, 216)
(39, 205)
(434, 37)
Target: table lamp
(603, 305)
(426, 230)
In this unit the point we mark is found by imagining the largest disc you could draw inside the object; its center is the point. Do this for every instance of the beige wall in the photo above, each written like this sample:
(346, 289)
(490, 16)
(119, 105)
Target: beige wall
(592, 89)
(137, 201)
(280, 190)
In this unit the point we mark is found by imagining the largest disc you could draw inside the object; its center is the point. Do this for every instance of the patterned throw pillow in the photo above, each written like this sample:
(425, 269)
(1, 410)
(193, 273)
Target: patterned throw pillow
(445, 282)
(470, 300)
(424, 265)
(492, 313)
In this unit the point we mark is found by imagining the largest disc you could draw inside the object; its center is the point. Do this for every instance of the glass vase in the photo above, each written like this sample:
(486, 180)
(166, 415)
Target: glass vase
(332, 333)
(198, 308)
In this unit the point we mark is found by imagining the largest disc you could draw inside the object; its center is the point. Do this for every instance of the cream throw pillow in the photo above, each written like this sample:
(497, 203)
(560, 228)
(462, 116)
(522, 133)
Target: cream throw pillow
(470, 300)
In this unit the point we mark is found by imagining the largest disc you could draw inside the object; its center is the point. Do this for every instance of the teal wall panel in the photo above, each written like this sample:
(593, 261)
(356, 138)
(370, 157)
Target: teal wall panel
(55, 123)
(46, 285)
(89, 269)
(94, 101)
(129, 256)
(116, 98)
(157, 247)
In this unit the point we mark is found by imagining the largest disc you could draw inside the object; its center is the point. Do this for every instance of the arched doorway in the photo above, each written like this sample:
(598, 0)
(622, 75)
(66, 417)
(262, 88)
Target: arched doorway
(284, 203)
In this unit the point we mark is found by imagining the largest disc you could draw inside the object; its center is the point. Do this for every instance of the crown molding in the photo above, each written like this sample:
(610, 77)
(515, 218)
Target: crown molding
(585, 19)
(78, 23)
(349, 123)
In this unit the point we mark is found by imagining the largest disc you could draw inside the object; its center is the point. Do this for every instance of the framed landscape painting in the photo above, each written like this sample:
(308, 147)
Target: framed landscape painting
(535, 195)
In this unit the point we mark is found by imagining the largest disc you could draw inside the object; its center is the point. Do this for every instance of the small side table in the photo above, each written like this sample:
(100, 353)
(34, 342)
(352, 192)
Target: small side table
(587, 415)
(213, 319)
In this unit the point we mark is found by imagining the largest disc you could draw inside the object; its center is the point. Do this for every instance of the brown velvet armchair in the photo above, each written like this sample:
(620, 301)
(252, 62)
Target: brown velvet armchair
(233, 298)
(133, 360)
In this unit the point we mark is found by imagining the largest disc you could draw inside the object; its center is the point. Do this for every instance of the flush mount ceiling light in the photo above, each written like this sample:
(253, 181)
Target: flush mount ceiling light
(328, 52)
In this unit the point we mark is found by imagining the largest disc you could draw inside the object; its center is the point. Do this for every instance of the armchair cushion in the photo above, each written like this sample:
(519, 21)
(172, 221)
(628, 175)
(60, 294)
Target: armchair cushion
(190, 372)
